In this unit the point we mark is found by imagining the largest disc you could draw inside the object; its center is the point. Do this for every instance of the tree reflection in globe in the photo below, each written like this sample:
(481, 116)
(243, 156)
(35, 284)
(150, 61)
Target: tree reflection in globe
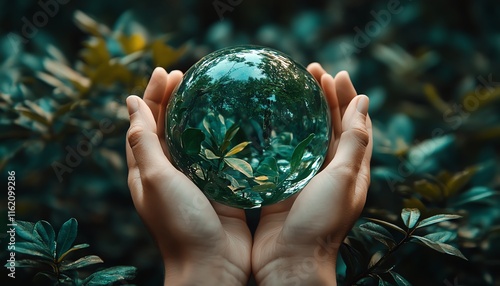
(248, 125)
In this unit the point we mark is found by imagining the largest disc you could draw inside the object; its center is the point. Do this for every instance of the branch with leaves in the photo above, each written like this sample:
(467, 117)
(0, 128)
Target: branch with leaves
(49, 253)
(379, 267)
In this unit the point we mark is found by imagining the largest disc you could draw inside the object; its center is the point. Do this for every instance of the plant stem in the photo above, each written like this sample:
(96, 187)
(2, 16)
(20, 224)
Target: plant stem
(381, 260)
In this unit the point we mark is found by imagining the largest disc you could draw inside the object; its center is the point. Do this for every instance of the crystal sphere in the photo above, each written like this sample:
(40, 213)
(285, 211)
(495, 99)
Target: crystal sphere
(248, 125)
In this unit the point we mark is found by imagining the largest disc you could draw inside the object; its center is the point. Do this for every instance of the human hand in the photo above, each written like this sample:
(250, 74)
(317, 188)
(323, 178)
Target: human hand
(297, 240)
(202, 243)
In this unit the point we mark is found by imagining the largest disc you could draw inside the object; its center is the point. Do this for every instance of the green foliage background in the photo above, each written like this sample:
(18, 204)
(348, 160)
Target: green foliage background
(431, 70)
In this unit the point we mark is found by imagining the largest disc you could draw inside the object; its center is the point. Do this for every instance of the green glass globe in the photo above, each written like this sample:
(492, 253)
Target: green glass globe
(248, 125)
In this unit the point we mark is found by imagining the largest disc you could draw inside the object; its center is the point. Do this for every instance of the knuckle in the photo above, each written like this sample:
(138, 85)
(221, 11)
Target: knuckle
(153, 176)
(359, 135)
(135, 135)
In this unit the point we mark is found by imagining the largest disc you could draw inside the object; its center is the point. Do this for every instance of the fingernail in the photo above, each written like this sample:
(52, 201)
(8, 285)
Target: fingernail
(363, 103)
(132, 104)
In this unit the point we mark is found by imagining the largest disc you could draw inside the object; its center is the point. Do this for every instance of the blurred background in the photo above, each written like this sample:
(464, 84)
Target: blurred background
(430, 68)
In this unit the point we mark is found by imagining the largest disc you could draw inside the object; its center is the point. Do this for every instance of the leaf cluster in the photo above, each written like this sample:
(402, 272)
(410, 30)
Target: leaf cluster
(49, 253)
(380, 267)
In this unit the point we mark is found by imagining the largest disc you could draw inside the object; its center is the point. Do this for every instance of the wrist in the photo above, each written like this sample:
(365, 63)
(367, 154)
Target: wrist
(207, 272)
(297, 271)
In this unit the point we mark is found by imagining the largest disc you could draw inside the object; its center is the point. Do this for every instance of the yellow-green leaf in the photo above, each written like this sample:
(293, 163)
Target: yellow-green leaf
(434, 98)
(95, 53)
(261, 178)
(414, 203)
(132, 43)
(80, 263)
(164, 55)
(210, 155)
(264, 187)
(236, 149)
(240, 166)
(458, 181)
(428, 190)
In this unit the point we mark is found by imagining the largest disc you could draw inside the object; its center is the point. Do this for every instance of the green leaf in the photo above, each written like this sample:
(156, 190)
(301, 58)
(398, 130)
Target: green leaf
(191, 140)
(234, 183)
(66, 236)
(298, 152)
(240, 166)
(379, 233)
(34, 249)
(46, 233)
(80, 263)
(410, 216)
(268, 167)
(382, 282)
(231, 132)
(438, 246)
(306, 172)
(110, 275)
(388, 224)
(400, 280)
(476, 194)
(441, 236)
(264, 187)
(76, 247)
(210, 155)
(436, 219)
(236, 149)
(24, 230)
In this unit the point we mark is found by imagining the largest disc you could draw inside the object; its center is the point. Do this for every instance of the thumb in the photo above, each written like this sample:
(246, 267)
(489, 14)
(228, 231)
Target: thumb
(354, 138)
(143, 139)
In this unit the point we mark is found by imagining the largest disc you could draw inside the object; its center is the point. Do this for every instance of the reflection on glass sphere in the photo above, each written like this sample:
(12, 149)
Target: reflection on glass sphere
(248, 125)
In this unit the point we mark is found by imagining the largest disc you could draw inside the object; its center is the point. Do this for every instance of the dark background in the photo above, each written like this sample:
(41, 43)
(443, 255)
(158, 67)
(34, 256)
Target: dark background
(431, 70)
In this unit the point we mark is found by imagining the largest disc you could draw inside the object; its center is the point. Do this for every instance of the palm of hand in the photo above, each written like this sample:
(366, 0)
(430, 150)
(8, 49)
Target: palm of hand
(193, 233)
(185, 225)
(302, 234)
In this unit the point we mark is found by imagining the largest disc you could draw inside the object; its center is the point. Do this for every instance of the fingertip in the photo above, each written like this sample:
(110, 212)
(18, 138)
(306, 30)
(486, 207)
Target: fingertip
(158, 71)
(314, 65)
(176, 73)
(326, 79)
(363, 104)
(132, 104)
(316, 70)
(343, 74)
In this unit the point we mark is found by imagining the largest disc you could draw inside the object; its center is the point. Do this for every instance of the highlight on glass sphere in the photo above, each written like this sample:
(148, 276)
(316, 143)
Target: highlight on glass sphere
(248, 125)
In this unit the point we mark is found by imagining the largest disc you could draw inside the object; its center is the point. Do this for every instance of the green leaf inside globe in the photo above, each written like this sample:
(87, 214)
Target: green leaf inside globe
(248, 125)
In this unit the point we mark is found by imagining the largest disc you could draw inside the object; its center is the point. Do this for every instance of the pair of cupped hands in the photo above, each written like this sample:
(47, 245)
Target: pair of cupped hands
(207, 243)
